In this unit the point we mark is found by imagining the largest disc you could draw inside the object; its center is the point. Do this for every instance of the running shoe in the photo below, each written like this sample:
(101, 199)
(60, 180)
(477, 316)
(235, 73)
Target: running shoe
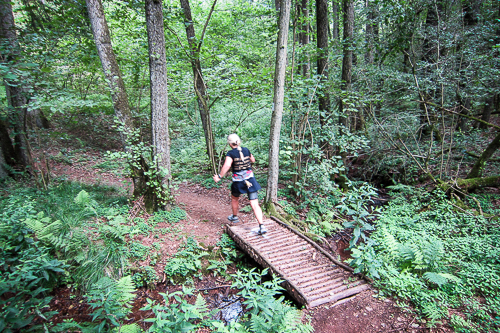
(233, 218)
(262, 229)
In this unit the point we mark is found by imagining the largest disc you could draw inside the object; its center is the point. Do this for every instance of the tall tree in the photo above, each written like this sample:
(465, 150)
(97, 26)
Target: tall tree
(370, 29)
(469, 14)
(199, 84)
(10, 53)
(7, 154)
(159, 99)
(322, 24)
(335, 18)
(116, 85)
(305, 67)
(278, 102)
(109, 64)
(348, 12)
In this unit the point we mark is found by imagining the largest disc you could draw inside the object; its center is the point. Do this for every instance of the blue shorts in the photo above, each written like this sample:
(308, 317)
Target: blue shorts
(239, 188)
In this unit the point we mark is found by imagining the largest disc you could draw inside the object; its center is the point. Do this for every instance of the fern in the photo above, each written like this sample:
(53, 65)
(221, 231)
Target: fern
(125, 288)
(391, 245)
(440, 278)
(130, 328)
(432, 311)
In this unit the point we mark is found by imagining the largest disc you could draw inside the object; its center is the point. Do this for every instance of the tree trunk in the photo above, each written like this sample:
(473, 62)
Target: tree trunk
(3, 170)
(37, 118)
(305, 68)
(113, 76)
(348, 10)
(335, 17)
(199, 85)
(109, 64)
(488, 106)
(278, 101)
(159, 101)
(430, 55)
(469, 13)
(9, 154)
(13, 87)
(322, 44)
(477, 169)
(470, 184)
(369, 55)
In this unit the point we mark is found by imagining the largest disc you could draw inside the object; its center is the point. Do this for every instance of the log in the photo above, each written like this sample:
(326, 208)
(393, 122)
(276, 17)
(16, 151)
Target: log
(471, 184)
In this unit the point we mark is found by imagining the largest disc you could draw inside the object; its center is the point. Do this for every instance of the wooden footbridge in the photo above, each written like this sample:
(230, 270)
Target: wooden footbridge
(311, 275)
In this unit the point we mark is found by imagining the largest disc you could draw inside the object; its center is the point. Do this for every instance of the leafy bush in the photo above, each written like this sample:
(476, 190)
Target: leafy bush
(145, 277)
(173, 216)
(111, 301)
(266, 312)
(186, 262)
(27, 269)
(437, 257)
(176, 314)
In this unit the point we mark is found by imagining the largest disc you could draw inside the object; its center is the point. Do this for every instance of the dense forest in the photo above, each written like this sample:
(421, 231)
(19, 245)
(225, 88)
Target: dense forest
(373, 123)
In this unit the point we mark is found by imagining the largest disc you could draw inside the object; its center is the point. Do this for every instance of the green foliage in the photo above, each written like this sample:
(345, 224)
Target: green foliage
(266, 312)
(354, 204)
(173, 216)
(206, 181)
(145, 277)
(186, 262)
(27, 270)
(111, 301)
(175, 314)
(138, 251)
(438, 258)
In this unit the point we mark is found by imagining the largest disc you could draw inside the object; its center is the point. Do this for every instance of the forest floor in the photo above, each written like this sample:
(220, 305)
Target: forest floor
(207, 211)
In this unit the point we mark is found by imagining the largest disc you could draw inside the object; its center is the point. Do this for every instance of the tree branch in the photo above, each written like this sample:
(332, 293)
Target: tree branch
(205, 26)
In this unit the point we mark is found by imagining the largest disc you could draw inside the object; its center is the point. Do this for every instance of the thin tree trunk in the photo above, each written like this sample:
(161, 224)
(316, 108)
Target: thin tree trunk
(278, 101)
(159, 100)
(369, 55)
(322, 44)
(8, 153)
(109, 64)
(305, 68)
(348, 10)
(488, 107)
(13, 87)
(3, 171)
(199, 85)
(477, 169)
(335, 17)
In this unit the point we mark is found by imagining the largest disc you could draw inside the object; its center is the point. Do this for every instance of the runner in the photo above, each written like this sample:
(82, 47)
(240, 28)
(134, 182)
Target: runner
(240, 159)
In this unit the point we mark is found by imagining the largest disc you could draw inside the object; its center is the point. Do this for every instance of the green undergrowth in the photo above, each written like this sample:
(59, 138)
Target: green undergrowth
(442, 260)
(83, 237)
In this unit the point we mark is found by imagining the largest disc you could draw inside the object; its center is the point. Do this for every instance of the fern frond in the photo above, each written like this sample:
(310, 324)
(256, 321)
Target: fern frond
(125, 288)
(130, 328)
(432, 311)
(201, 307)
(440, 278)
(391, 245)
(435, 278)
(82, 198)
